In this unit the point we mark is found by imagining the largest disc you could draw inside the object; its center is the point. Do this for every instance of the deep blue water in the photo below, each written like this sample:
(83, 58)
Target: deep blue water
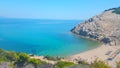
(42, 37)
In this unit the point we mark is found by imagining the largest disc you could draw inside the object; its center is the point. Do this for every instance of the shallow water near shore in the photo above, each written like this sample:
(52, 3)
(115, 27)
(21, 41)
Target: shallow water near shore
(42, 37)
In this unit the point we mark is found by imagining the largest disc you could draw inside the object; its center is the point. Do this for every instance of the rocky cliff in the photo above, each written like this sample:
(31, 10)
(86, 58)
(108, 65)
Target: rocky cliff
(104, 27)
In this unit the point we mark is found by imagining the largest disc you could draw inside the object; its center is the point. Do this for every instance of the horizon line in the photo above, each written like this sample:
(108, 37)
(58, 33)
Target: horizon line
(38, 18)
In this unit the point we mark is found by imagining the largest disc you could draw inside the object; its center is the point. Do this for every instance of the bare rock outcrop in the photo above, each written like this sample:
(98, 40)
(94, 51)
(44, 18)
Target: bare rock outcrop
(104, 27)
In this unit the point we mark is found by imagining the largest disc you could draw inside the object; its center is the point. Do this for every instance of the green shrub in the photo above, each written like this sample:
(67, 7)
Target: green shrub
(34, 61)
(11, 56)
(19, 59)
(63, 64)
(8, 56)
(118, 65)
(23, 58)
(117, 10)
(2, 58)
(82, 62)
(99, 64)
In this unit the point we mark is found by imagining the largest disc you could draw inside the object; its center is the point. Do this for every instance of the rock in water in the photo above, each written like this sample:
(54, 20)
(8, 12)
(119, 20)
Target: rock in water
(104, 27)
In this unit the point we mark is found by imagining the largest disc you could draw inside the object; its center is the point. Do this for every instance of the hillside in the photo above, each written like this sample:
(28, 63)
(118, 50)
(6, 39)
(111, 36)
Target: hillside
(104, 27)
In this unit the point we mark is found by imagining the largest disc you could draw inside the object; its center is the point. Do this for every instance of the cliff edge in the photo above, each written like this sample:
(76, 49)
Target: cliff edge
(104, 27)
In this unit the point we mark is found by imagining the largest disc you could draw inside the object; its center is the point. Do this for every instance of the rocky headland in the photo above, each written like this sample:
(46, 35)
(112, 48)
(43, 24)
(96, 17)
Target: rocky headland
(104, 27)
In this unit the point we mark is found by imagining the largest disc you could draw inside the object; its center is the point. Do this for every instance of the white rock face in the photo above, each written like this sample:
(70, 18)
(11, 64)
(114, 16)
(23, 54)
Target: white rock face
(104, 27)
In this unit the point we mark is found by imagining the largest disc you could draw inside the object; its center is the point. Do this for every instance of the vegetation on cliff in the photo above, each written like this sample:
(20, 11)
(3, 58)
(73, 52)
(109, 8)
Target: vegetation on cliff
(115, 10)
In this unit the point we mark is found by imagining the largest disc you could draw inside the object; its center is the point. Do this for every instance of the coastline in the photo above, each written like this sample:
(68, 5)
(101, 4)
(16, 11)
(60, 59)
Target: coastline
(79, 36)
(99, 53)
(89, 56)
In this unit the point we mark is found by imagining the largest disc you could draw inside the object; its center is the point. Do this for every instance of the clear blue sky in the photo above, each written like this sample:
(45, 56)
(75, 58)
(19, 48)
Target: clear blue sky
(54, 9)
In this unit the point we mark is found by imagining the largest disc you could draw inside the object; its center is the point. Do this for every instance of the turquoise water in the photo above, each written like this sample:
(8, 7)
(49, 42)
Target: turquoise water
(42, 37)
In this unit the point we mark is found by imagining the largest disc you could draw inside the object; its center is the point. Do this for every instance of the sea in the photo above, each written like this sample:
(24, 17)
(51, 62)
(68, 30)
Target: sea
(42, 37)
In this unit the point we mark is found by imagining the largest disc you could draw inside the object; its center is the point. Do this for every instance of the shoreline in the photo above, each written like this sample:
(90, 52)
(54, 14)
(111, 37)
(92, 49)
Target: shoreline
(79, 36)
(62, 59)
(91, 55)
(102, 53)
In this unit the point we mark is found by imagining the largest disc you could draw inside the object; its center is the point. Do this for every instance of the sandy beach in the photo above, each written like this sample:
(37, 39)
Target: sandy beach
(103, 52)
(106, 53)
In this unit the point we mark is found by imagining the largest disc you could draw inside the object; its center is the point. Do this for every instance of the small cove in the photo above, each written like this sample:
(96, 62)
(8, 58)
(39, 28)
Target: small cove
(42, 37)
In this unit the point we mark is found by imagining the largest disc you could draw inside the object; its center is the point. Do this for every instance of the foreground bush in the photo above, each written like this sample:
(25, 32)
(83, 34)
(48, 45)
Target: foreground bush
(99, 64)
(118, 65)
(8, 56)
(82, 62)
(63, 64)
(17, 59)
(34, 61)
(22, 59)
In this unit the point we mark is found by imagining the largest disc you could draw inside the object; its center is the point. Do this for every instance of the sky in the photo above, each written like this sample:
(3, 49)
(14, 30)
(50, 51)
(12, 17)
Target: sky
(55, 9)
